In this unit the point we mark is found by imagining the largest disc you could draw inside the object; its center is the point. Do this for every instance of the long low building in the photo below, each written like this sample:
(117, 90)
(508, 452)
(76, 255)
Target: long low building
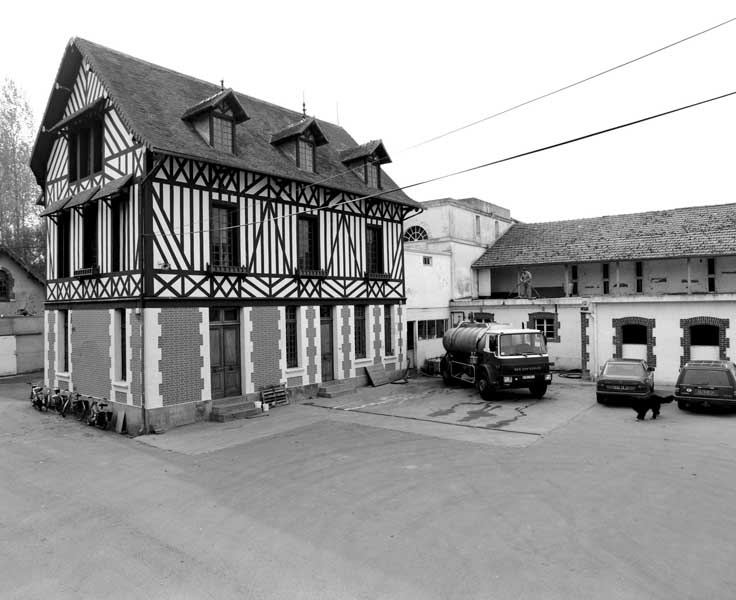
(658, 285)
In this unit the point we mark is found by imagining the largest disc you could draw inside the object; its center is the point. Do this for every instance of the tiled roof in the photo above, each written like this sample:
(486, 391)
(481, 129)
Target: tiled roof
(680, 232)
(367, 149)
(23, 265)
(299, 128)
(213, 101)
(152, 99)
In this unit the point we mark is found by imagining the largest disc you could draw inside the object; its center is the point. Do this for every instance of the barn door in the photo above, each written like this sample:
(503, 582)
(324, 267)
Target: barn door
(225, 352)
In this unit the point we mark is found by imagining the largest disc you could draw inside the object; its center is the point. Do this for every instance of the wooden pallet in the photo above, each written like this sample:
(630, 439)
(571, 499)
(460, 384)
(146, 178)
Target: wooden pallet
(274, 396)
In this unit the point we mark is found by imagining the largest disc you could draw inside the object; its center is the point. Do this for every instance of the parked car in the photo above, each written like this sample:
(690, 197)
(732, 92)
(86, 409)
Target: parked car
(626, 378)
(706, 383)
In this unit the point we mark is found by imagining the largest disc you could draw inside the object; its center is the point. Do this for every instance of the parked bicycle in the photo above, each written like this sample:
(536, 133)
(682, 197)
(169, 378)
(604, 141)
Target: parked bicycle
(39, 399)
(99, 413)
(80, 406)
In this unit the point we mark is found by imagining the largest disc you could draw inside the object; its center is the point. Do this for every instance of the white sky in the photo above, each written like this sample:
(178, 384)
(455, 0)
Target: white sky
(407, 71)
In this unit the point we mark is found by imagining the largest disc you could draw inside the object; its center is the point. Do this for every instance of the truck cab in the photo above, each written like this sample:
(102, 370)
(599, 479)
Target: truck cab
(495, 356)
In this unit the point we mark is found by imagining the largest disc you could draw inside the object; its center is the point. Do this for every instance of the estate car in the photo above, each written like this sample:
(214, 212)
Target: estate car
(706, 383)
(624, 378)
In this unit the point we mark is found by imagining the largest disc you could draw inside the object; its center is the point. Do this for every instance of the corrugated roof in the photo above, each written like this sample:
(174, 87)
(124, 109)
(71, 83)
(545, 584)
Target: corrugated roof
(680, 232)
(152, 99)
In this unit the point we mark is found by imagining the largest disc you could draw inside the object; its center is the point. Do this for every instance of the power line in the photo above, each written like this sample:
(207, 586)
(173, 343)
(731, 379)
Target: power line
(469, 169)
(568, 86)
(536, 99)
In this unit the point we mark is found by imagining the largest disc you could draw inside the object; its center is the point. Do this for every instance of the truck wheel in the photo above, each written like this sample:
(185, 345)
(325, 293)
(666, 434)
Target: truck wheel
(484, 387)
(538, 389)
(445, 372)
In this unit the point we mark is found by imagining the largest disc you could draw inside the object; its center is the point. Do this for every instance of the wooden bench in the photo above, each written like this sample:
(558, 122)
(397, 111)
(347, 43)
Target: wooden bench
(274, 396)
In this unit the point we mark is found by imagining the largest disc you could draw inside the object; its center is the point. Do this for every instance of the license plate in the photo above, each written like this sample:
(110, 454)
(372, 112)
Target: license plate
(527, 376)
(621, 388)
(701, 392)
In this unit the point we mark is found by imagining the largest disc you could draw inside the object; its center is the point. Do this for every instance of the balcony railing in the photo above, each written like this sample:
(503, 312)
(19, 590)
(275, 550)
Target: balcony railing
(92, 271)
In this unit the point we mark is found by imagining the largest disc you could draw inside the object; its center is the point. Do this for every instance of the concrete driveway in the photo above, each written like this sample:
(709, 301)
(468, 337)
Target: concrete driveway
(325, 503)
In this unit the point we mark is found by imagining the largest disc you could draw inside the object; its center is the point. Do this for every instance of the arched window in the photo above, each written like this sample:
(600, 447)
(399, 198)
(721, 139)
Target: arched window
(415, 233)
(634, 334)
(704, 335)
(6, 284)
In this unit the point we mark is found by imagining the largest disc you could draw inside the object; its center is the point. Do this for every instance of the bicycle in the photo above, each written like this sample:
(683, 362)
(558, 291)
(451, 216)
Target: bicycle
(99, 415)
(39, 400)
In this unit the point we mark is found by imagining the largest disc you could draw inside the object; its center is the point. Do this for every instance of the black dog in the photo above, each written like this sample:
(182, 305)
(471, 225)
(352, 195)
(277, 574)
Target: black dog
(644, 405)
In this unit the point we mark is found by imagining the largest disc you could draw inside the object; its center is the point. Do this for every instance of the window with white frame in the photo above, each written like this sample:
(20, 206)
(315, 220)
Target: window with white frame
(359, 331)
(63, 342)
(120, 345)
(292, 337)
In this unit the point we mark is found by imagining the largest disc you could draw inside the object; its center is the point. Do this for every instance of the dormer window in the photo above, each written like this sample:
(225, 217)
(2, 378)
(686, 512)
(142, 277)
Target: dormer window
(222, 133)
(372, 174)
(215, 118)
(299, 142)
(365, 161)
(305, 155)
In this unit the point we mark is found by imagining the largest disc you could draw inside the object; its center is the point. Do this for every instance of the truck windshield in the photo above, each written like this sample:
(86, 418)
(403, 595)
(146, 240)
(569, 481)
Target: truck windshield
(522, 343)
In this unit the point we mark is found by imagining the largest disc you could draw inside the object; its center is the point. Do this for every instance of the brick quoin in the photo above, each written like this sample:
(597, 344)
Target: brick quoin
(181, 362)
(52, 346)
(136, 357)
(311, 341)
(347, 342)
(265, 335)
(377, 333)
(90, 356)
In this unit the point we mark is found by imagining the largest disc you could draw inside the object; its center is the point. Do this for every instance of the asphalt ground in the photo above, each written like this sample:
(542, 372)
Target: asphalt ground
(405, 491)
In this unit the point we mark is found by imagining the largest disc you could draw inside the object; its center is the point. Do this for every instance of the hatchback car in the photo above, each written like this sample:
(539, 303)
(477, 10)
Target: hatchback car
(706, 383)
(626, 378)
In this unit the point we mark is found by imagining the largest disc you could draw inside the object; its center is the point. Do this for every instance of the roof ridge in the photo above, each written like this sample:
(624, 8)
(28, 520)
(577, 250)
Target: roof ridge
(191, 77)
(632, 214)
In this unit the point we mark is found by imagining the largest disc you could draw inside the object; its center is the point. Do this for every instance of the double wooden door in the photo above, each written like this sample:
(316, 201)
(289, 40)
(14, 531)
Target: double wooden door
(225, 352)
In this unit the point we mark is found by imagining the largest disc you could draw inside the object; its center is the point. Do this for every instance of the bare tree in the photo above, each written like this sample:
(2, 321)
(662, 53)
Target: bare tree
(21, 229)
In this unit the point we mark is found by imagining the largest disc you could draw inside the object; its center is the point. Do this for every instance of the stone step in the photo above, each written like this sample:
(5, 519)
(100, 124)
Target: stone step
(228, 402)
(338, 389)
(233, 413)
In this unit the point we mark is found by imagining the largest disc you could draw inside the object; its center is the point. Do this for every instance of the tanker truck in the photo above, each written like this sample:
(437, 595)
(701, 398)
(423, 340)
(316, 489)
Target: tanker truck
(494, 356)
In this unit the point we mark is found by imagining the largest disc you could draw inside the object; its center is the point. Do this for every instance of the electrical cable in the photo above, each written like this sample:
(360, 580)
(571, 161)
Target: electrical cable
(568, 86)
(542, 96)
(468, 169)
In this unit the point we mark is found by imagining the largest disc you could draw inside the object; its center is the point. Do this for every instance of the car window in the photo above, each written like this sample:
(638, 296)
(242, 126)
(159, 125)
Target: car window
(705, 377)
(624, 370)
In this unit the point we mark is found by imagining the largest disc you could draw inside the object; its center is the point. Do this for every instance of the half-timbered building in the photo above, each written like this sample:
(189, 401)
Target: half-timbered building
(203, 244)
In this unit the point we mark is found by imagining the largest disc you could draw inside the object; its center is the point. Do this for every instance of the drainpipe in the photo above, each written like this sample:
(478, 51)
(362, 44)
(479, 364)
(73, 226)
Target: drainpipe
(142, 256)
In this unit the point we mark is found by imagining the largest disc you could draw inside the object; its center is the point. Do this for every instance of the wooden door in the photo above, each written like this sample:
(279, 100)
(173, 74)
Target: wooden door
(225, 352)
(327, 351)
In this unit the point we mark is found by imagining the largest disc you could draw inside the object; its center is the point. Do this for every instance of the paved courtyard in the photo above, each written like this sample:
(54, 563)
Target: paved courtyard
(405, 491)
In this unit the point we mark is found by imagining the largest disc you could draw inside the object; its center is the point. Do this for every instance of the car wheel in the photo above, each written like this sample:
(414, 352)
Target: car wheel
(600, 398)
(538, 390)
(484, 387)
(682, 405)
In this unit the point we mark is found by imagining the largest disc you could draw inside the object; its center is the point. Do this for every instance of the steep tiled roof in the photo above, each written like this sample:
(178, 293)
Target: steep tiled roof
(152, 99)
(681, 232)
(367, 149)
(23, 265)
(299, 128)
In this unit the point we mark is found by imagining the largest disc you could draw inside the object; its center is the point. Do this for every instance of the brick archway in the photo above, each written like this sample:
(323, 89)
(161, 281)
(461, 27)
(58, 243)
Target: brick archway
(618, 325)
(723, 341)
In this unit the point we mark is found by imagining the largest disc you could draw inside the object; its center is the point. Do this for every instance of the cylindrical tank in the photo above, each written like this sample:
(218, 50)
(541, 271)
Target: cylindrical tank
(458, 340)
